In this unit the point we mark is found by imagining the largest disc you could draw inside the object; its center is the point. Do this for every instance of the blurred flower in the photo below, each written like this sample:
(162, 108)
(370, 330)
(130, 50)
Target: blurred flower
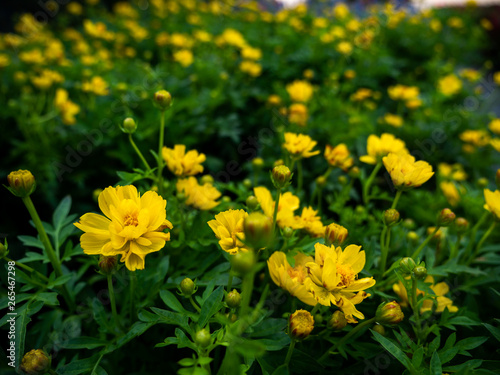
(472, 75)
(251, 53)
(494, 126)
(300, 91)
(478, 138)
(299, 145)
(228, 228)
(183, 57)
(250, 67)
(492, 202)
(288, 203)
(340, 10)
(455, 22)
(449, 85)
(495, 143)
(339, 156)
(345, 48)
(453, 172)
(297, 114)
(361, 94)
(311, 222)
(203, 197)
(377, 148)
(97, 85)
(393, 120)
(450, 192)
(274, 100)
(232, 37)
(133, 226)
(406, 173)
(401, 92)
(67, 108)
(182, 163)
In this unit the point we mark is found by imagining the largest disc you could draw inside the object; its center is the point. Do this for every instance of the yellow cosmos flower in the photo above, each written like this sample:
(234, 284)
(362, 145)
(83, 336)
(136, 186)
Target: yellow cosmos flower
(182, 163)
(202, 197)
(492, 202)
(311, 222)
(449, 85)
(67, 108)
(495, 143)
(406, 173)
(453, 172)
(401, 92)
(228, 228)
(297, 114)
(184, 57)
(494, 126)
(287, 205)
(300, 91)
(450, 192)
(393, 120)
(377, 147)
(339, 156)
(439, 289)
(291, 278)
(97, 85)
(251, 53)
(345, 48)
(251, 68)
(333, 278)
(299, 145)
(132, 226)
(478, 138)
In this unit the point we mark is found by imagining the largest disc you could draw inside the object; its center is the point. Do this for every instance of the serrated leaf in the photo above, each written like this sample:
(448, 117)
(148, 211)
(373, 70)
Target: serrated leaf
(436, 368)
(211, 305)
(183, 341)
(31, 241)
(394, 350)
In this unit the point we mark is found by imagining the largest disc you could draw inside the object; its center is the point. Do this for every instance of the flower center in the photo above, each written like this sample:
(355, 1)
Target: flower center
(131, 219)
(345, 275)
(298, 272)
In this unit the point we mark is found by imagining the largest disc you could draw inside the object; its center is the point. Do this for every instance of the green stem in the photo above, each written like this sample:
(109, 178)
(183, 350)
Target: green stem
(300, 176)
(481, 241)
(229, 281)
(366, 187)
(346, 337)
(315, 309)
(132, 296)
(111, 290)
(289, 353)
(473, 234)
(422, 245)
(454, 249)
(414, 307)
(246, 293)
(197, 308)
(276, 206)
(29, 269)
(396, 199)
(320, 198)
(138, 152)
(160, 148)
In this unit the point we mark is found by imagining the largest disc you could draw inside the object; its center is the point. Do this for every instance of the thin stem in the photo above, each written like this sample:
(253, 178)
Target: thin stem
(132, 296)
(473, 234)
(396, 199)
(138, 152)
(111, 290)
(289, 353)
(29, 269)
(160, 148)
(422, 245)
(276, 206)
(414, 306)
(454, 249)
(481, 241)
(347, 337)
(315, 309)
(383, 249)
(197, 308)
(246, 293)
(300, 175)
(229, 281)
(366, 187)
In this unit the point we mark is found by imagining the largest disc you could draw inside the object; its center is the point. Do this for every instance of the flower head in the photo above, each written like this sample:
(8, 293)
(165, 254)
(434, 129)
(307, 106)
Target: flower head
(288, 203)
(132, 226)
(182, 163)
(299, 145)
(449, 85)
(311, 222)
(228, 228)
(22, 183)
(339, 156)
(333, 278)
(202, 197)
(492, 202)
(406, 173)
(300, 91)
(377, 147)
(301, 324)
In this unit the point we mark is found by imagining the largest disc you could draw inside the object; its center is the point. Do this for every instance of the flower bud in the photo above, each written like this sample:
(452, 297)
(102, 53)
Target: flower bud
(407, 265)
(206, 179)
(412, 236)
(321, 181)
(278, 163)
(391, 217)
(163, 99)
(258, 162)
(389, 313)
(408, 223)
(258, 229)
(335, 234)
(247, 183)
(461, 224)
(252, 203)
(243, 262)
(203, 338)
(338, 321)
(301, 324)
(233, 299)
(22, 183)
(181, 196)
(482, 182)
(226, 199)
(129, 125)
(35, 362)
(379, 329)
(445, 217)
(354, 172)
(281, 176)
(187, 287)
(342, 180)
(95, 194)
(287, 232)
(420, 272)
(318, 318)
(360, 210)
(107, 264)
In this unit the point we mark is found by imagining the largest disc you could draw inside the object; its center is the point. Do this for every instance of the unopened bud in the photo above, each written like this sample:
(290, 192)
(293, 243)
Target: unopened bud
(203, 338)
(107, 264)
(354, 172)
(258, 229)
(129, 125)
(301, 324)
(420, 272)
(233, 299)
(287, 232)
(408, 223)
(482, 182)
(335, 234)
(247, 183)
(407, 265)
(206, 179)
(318, 318)
(22, 183)
(412, 236)
(321, 181)
(446, 217)
(226, 199)
(95, 194)
(389, 313)
(281, 176)
(252, 203)
(342, 180)
(163, 99)
(35, 362)
(338, 321)
(379, 328)
(258, 162)
(461, 224)
(391, 217)
(187, 287)
(243, 262)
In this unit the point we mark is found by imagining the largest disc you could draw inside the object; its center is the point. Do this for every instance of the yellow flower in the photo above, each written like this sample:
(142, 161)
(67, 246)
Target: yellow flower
(405, 172)
(401, 92)
(496, 78)
(333, 278)
(393, 120)
(449, 85)
(184, 57)
(67, 108)
(361, 94)
(291, 278)
(377, 147)
(311, 222)
(340, 10)
(450, 192)
(132, 226)
(181, 40)
(251, 53)
(274, 100)
(299, 145)
(202, 197)
(97, 86)
(455, 22)
(228, 228)
(478, 138)
(232, 37)
(182, 163)
(345, 48)
(492, 202)
(297, 114)
(301, 324)
(339, 156)
(494, 126)
(471, 75)
(299, 91)
(454, 172)
(439, 289)
(287, 205)
(251, 68)
(495, 143)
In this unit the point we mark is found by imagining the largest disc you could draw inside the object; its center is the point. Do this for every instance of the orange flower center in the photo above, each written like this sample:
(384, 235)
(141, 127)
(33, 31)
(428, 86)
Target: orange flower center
(131, 219)
(345, 274)
(298, 272)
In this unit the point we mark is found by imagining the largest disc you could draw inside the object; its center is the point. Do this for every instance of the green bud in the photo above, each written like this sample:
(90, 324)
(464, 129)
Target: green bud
(233, 299)
(206, 179)
(226, 199)
(461, 224)
(342, 180)
(391, 217)
(379, 329)
(389, 313)
(420, 272)
(187, 287)
(163, 99)
(337, 321)
(354, 172)
(408, 223)
(258, 229)
(243, 262)
(445, 217)
(247, 183)
(258, 162)
(22, 183)
(407, 265)
(129, 126)
(287, 232)
(281, 176)
(482, 182)
(203, 338)
(321, 181)
(412, 236)
(318, 318)
(252, 203)
(107, 265)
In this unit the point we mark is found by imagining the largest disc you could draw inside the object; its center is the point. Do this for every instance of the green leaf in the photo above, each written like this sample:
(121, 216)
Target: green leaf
(61, 212)
(470, 343)
(434, 345)
(81, 366)
(418, 356)
(462, 321)
(281, 370)
(186, 362)
(394, 350)
(169, 317)
(171, 301)
(448, 354)
(493, 330)
(31, 241)
(436, 368)
(60, 280)
(168, 341)
(137, 329)
(183, 341)
(211, 305)
(48, 298)
(469, 365)
(21, 321)
(84, 343)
